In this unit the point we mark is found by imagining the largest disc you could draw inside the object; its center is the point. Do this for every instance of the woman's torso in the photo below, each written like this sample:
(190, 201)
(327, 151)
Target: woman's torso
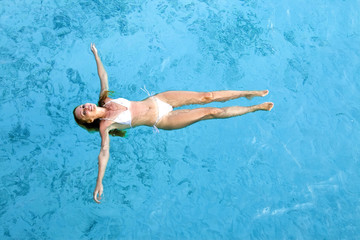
(141, 113)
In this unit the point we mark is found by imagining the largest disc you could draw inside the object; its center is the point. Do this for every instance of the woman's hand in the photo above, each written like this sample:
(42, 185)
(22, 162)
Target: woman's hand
(98, 190)
(93, 49)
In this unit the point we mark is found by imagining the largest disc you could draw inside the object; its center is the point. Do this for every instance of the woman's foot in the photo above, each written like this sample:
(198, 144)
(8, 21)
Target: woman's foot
(257, 94)
(266, 106)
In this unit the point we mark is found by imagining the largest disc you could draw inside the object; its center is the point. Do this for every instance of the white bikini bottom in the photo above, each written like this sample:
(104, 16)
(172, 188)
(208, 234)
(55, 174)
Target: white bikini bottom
(163, 108)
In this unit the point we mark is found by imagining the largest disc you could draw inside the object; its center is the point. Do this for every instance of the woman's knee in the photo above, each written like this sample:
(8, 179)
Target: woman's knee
(207, 97)
(213, 113)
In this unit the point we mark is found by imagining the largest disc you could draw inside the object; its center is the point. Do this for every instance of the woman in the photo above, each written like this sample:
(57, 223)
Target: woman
(156, 111)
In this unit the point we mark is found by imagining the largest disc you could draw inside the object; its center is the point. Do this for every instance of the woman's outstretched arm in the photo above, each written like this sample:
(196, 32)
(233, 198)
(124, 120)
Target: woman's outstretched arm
(101, 70)
(103, 160)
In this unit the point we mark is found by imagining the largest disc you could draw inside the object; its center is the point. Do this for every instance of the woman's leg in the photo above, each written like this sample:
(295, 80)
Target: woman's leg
(180, 98)
(182, 118)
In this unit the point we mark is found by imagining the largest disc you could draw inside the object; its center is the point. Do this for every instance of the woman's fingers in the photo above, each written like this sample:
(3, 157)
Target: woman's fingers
(93, 48)
(95, 197)
(98, 192)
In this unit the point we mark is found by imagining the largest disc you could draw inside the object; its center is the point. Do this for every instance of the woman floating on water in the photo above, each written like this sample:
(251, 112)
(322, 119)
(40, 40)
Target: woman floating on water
(113, 115)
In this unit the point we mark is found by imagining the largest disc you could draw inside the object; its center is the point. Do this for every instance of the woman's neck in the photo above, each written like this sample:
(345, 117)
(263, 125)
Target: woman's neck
(101, 112)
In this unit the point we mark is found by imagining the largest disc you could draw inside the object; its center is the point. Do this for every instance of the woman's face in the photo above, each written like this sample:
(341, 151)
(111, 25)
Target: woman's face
(86, 112)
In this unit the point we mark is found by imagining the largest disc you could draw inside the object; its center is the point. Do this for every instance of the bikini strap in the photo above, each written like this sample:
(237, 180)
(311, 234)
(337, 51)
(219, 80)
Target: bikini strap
(147, 92)
(155, 129)
(109, 119)
(107, 102)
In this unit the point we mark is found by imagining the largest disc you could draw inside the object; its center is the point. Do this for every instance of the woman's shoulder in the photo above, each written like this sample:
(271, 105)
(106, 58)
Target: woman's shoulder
(108, 99)
(105, 126)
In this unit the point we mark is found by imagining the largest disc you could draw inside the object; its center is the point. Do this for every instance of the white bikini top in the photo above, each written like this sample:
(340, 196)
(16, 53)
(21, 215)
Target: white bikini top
(124, 118)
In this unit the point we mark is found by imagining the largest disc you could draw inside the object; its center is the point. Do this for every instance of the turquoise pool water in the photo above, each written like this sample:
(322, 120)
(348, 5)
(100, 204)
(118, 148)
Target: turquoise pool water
(292, 173)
